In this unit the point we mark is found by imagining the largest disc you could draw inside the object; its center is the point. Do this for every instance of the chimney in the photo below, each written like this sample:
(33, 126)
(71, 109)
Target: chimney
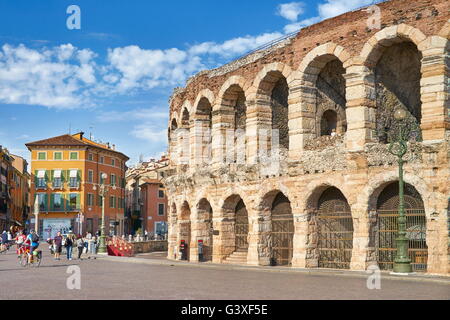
(108, 145)
(81, 135)
(114, 147)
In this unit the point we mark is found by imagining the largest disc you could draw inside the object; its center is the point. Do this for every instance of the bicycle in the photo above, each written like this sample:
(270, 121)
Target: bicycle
(5, 248)
(36, 259)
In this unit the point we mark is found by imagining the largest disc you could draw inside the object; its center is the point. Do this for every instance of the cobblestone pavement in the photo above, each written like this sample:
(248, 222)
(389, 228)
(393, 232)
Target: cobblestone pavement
(139, 278)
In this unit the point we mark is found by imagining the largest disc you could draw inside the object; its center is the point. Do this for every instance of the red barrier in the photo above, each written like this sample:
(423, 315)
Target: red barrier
(119, 247)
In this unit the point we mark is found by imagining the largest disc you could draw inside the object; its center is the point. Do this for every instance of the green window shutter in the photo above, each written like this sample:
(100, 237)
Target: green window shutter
(35, 179)
(52, 174)
(63, 176)
(78, 200)
(79, 175)
(45, 202)
(52, 201)
(67, 201)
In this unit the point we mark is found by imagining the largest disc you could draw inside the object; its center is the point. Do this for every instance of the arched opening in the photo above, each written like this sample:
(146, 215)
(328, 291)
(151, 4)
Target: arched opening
(334, 230)
(234, 104)
(185, 227)
(273, 91)
(203, 120)
(205, 225)
(330, 98)
(235, 212)
(386, 228)
(282, 231)
(397, 85)
(183, 138)
(328, 123)
(173, 139)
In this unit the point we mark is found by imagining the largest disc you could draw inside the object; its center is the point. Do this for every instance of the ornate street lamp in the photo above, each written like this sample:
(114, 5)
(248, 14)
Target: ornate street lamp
(102, 191)
(398, 147)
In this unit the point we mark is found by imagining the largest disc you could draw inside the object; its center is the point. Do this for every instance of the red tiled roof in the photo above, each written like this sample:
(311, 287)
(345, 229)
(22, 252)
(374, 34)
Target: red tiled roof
(68, 140)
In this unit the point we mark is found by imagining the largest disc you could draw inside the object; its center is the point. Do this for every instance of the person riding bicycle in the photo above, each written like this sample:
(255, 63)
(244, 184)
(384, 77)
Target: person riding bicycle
(33, 242)
(20, 239)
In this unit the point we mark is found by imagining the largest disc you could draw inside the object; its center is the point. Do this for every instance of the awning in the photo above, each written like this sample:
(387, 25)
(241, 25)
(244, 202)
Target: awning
(57, 174)
(41, 174)
(73, 173)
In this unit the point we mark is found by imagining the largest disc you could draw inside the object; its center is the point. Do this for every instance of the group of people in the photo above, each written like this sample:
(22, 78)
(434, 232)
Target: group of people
(85, 244)
(26, 243)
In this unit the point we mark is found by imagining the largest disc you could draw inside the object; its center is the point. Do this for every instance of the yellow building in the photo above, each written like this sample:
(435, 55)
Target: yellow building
(66, 173)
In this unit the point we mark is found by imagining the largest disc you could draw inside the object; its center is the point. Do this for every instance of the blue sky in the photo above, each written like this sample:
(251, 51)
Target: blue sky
(113, 77)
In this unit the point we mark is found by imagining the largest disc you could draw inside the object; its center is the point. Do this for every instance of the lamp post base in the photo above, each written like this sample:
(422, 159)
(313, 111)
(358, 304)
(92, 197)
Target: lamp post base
(402, 267)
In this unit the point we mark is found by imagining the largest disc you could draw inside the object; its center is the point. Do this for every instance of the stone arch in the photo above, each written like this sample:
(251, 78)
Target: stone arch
(272, 94)
(322, 87)
(330, 231)
(235, 224)
(374, 47)
(204, 227)
(201, 137)
(184, 228)
(230, 122)
(276, 243)
(184, 134)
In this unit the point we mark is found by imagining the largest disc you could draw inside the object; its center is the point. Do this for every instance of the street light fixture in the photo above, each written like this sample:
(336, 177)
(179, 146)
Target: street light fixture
(398, 147)
(103, 191)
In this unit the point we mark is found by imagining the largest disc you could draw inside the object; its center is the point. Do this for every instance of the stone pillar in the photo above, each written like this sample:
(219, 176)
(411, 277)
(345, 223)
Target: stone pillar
(172, 239)
(224, 242)
(360, 252)
(223, 117)
(300, 240)
(434, 88)
(302, 104)
(259, 122)
(437, 236)
(360, 108)
(259, 235)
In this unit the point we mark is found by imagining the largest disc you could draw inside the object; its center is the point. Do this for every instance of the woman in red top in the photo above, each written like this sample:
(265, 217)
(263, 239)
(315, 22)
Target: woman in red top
(20, 240)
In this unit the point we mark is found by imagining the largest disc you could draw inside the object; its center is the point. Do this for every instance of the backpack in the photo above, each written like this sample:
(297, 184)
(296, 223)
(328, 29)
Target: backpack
(34, 237)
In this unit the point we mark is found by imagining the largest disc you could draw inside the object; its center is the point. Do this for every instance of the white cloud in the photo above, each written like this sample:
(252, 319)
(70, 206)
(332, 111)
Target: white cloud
(151, 133)
(332, 8)
(51, 77)
(234, 47)
(291, 10)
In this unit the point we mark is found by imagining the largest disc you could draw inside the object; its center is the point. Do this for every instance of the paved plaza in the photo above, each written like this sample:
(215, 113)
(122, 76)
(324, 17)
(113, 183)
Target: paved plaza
(153, 277)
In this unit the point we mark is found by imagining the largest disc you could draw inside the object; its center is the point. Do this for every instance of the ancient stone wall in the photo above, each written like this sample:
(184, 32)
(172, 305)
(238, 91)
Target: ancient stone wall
(342, 66)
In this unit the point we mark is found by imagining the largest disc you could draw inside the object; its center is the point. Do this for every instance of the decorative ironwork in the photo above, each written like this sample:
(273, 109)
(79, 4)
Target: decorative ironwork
(282, 231)
(387, 228)
(335, 230)
(241, 226)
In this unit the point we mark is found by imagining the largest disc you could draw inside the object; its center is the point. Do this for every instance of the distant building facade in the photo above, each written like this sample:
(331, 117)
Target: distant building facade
(66, 177)
(14, 190)
(146, 199)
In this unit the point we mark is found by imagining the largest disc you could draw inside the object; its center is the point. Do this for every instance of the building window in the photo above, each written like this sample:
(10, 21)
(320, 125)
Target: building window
(57, 202)
(42, 201)
(160, 193)
(112, 202)
(74, 178)
(74, 156)
(113, 179)
(160, 228)
(41, 181)
(57, 156)
(102, 159)
(74, 201)
(90, 199)
(90, 176)
(57, 183)
(160, 209)
(42, 155)
(99, 201)
(113, 162)
(90, 157)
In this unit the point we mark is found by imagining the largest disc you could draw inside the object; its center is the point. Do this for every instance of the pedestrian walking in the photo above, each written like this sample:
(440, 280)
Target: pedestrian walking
(57, 241)
(68, 244)
(4, 239)
(9, 236)
(93, 246)
(80, 246)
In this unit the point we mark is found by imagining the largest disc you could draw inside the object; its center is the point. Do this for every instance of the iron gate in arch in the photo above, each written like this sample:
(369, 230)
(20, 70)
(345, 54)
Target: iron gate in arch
(282, 231)
(241, 226)
(387, 227)
(335, 230)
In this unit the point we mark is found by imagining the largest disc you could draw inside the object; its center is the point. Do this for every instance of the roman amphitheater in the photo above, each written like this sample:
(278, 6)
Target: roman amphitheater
(329, 92)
